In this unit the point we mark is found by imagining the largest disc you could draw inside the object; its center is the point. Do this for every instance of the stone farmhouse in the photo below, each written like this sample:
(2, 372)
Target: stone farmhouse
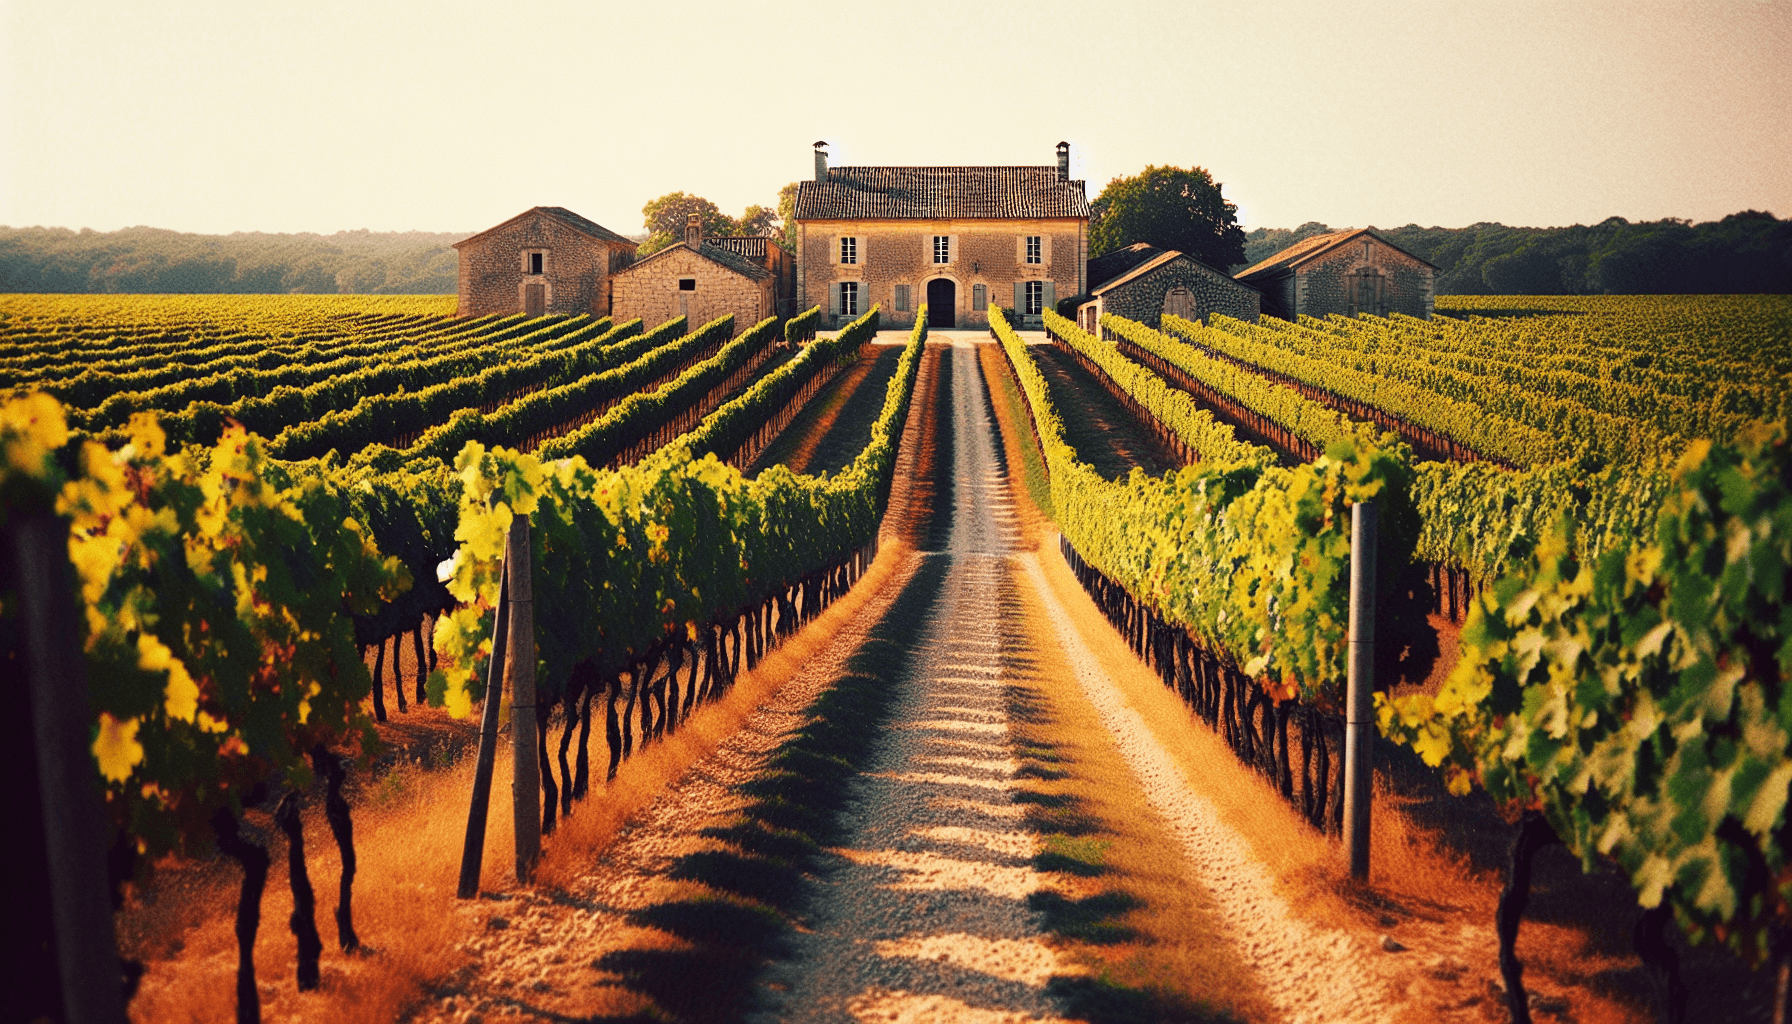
(702, 278)
(953, 238)
(544, 260)
(1142, 282)
(1346, 272)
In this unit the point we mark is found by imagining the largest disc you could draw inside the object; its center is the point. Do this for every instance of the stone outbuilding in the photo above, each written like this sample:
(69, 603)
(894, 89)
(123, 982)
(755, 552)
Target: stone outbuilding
(701, 279)
(545, 260)
(953, 238)
(1346, 272)
(1142, 282)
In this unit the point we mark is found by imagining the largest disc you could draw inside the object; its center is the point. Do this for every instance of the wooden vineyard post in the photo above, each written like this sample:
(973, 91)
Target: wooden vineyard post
(1359, 727)
(472, 856)
(519, 668)
(74, 823)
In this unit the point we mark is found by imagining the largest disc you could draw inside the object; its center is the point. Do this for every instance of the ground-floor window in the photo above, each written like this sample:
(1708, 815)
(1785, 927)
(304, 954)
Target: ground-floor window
(1035, 296)
(902, 298)
(849, 298)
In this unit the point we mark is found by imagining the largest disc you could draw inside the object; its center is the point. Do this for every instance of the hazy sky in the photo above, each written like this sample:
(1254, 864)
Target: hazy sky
(322, 116)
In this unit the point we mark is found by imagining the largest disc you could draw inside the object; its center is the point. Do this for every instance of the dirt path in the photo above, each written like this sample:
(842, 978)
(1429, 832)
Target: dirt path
(866, 847)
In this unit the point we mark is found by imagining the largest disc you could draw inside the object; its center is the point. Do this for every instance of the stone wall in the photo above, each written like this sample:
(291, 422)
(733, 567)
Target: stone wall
(649, 290)
(1329, 284)
(900, 252)
(575, 269)
(1143, 298)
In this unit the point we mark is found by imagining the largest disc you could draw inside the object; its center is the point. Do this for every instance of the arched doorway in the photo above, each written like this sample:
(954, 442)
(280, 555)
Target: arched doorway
(942, 302)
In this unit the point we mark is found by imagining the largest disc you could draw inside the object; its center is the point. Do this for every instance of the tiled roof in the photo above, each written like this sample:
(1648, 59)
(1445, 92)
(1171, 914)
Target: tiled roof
(1160, 257)
(564, 216)
(715, 254)
(750, 246)
(1109, 265)
(1311, 248)
(939, 193)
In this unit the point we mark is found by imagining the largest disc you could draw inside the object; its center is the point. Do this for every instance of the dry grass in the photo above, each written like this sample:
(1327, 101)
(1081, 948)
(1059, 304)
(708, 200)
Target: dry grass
(409, 828)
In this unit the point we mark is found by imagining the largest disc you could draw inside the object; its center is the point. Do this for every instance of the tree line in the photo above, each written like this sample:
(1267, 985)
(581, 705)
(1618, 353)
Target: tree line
(153, 260)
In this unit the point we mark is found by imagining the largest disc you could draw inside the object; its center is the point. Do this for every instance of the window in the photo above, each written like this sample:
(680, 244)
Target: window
(902, 298)
(535, 259)
(1035, 297)
(849, 298)
(687, 284)
(942, 248)
(1034, 253)
(849, 250)
(979, 297)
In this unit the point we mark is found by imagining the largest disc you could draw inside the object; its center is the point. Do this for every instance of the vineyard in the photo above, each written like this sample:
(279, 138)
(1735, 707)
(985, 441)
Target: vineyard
(1531, 552)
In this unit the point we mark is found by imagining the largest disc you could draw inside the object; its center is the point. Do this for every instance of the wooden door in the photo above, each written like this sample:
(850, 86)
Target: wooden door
(535, 299)
(942, 303)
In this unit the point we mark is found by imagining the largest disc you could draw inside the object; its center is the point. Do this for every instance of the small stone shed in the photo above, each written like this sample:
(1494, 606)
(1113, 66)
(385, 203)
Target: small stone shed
(1346, 272)
(544, 260)
(699, 279)
(1142, 282)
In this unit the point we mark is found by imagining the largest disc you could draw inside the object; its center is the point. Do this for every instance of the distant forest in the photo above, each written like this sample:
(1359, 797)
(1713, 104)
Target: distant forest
(1744, 252)
(153, 260)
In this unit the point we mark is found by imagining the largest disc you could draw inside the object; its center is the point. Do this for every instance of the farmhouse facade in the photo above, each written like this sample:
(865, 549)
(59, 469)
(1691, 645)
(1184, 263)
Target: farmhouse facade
(1142, 282)
(1344, 272)
(955, 239)
(544, 260)
(701, 279)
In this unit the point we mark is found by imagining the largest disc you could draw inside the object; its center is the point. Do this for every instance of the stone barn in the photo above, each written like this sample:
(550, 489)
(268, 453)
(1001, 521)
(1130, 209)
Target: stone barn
(1346, 272)
(545, 260)
(956, 239)
(700, 279)
(1142, 282)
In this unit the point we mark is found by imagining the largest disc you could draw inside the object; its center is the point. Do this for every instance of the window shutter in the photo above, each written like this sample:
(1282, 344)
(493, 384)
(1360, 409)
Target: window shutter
(951, 248)
(1050, 299)
(1020, 298)
(1020, 249)
(1045, 250)
(834, 299)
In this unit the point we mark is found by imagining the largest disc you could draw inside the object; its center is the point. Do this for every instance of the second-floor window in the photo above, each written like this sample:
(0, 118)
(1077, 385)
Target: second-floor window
(1034, 254)
(1035, 296)
(942, 248)
(535, 259)
(849, 250)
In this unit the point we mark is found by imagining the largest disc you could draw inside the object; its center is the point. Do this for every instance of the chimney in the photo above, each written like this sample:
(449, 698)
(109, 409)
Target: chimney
(1063, 161)
(821, 161)
(693, 230)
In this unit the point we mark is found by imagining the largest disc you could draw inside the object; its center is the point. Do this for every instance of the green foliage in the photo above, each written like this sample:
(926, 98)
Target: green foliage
(217, 596)
(1252, 559)
(1639, 699)
(158, 261)
(787, 217)
(667, 216)
(624, 558)
(1171, 208)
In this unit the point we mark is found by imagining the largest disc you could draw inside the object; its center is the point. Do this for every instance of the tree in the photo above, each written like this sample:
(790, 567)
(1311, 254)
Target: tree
(667, 216)
(757, 220)
(787, 215)
(1171, 208)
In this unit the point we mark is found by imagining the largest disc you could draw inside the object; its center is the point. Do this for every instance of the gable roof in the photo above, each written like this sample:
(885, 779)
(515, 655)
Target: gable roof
(939, 193)
(1309, 249)
(1158, 258)
(1109, 265)
(715, 254)
(564, 216)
